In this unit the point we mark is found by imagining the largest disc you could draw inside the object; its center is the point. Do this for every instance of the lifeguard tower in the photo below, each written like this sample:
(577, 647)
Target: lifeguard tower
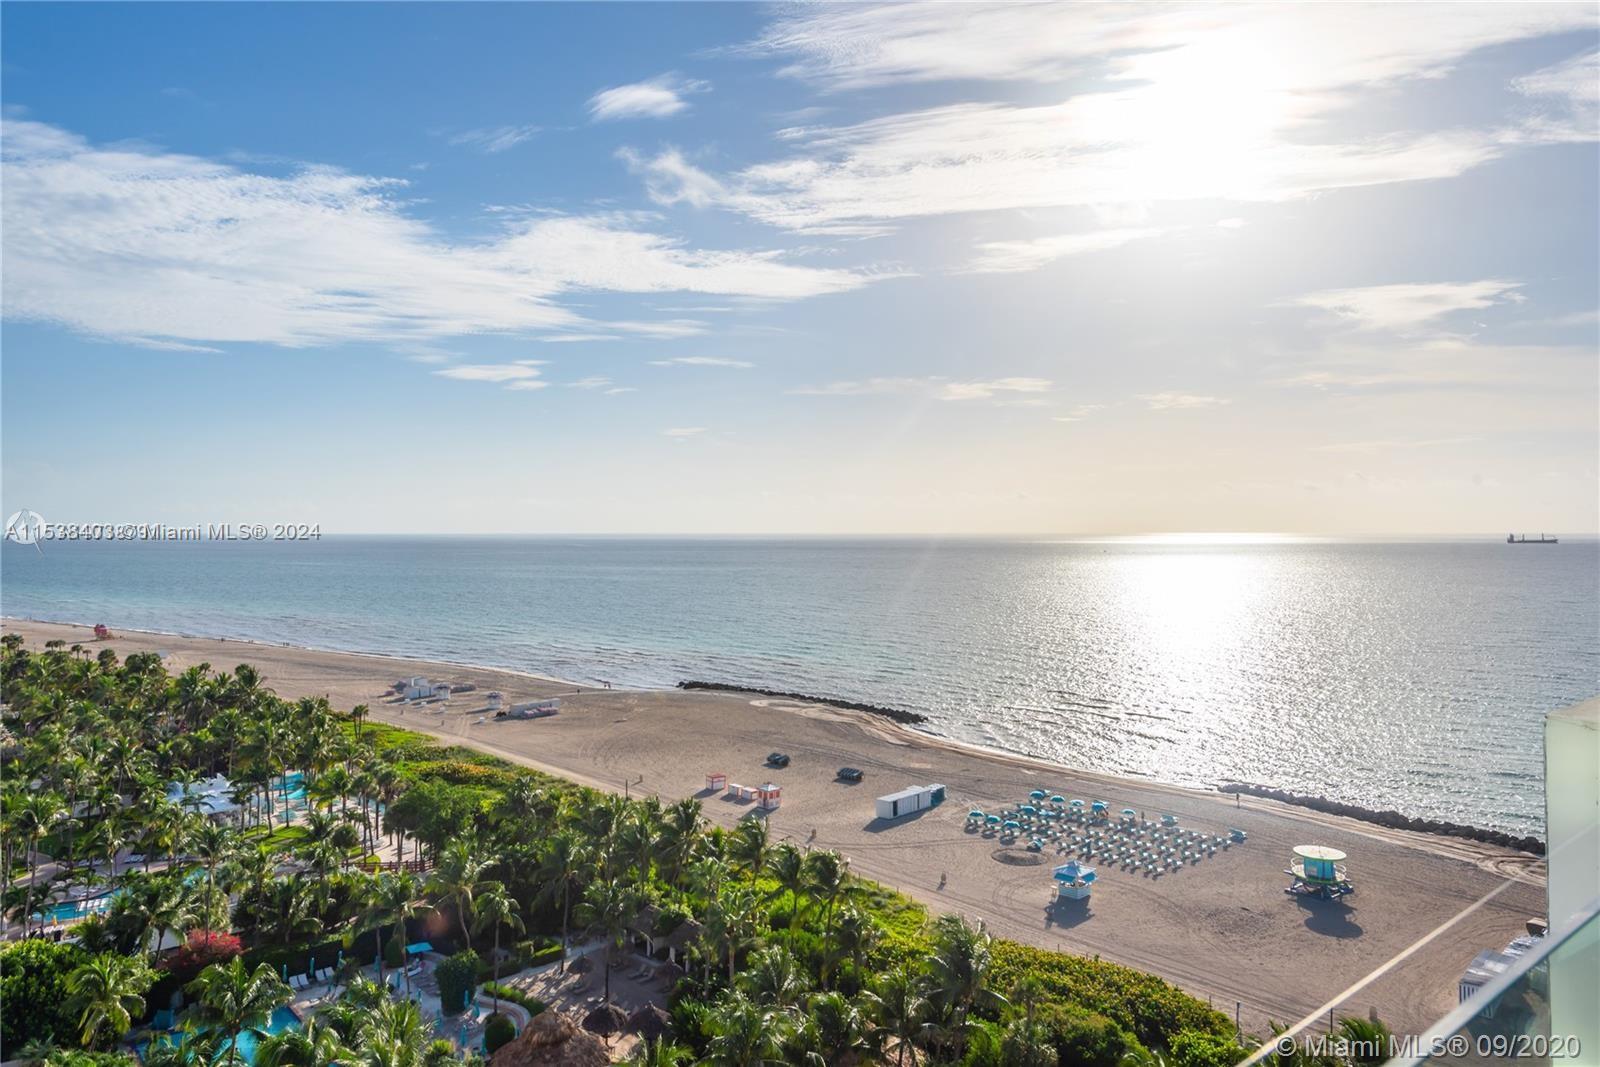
(1318, 871)
(716, 781)
(1075, 881)
(769, 796)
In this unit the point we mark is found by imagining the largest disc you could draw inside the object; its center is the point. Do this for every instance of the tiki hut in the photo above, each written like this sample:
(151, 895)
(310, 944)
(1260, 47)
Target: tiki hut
(606, 1020)
(552, 1040)
(650, 1022)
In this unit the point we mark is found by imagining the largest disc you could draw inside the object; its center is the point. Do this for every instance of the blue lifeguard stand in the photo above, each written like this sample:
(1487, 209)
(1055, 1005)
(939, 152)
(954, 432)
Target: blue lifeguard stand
(1318, 872)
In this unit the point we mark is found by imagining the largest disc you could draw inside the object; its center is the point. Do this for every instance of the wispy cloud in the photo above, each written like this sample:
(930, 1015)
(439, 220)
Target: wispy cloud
(682, 432)
(935, 388)
(1407, 307)
(1006, 257)
(490, 372)
(655, 98)
(152, 247)
(494, 139)
(1180, 401)
(597, 381)
(1180, 103)
(701, 361)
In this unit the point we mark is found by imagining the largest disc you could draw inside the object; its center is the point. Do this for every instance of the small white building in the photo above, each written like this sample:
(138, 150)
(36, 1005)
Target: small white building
(417, 688)
(907, 801)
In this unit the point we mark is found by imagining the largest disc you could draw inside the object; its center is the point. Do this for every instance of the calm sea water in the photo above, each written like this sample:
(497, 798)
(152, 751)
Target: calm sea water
(1402, 675)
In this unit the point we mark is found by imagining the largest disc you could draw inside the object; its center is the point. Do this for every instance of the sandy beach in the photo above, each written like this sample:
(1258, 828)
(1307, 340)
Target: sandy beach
(1223, 929)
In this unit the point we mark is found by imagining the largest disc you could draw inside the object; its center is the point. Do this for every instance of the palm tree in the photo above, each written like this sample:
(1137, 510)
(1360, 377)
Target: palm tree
(827, 875)
(561, 870)
(393, 901)
(497, 908)
(456, 881)
(658, 1053)
(788, 866)
(745, 1035)
(841, 1028)
(312, 1045)
(960, 963)
(902, 1008)
(232, 1000)
(731, 922)
(609, 906)
(751, 843)
(393, 1034)
(107, 992)
(771, 976)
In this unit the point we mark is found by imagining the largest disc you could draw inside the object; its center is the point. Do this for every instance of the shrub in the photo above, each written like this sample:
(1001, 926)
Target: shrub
(458, 978)
(1191, 1048)
(532, 1005)
(497, 1031)
(1148, 1007)
(75, 1057)
(203, 948)
(1087, 1039)
(33, 992)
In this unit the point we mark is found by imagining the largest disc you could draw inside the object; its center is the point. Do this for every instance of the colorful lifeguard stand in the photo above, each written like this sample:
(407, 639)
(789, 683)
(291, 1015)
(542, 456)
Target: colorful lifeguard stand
(769, 796)
(716, 781)
(1317, 872)
(1075, 881)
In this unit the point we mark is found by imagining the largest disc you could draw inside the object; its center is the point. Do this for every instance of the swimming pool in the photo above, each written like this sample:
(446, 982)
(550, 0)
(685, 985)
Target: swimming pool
(66, 911)
(282, 1019)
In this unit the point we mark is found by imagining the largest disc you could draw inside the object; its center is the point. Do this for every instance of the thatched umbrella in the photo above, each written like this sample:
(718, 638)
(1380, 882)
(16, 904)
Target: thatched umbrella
(650, 1022)
(606, 1020)
(552, 1039)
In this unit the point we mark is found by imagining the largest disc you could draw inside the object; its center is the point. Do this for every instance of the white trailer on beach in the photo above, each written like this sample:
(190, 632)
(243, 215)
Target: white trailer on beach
(533, 709)
(907, 801)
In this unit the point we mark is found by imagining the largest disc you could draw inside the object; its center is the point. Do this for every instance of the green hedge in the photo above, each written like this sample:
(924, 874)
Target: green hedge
(458, 977)
(497, 1031)
(1150, 1008)
(533, 1005)
(33, 992)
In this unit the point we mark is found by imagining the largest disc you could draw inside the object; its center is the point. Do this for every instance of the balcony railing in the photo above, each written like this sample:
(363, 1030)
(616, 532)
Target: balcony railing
(1540, 1010)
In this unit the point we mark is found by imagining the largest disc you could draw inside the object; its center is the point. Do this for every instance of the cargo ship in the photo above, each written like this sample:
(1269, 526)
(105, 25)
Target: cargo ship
(1524, 539)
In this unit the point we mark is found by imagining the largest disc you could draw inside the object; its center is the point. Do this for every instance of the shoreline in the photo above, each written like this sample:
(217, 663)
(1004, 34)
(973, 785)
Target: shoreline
(1221, 928)
(906, 722)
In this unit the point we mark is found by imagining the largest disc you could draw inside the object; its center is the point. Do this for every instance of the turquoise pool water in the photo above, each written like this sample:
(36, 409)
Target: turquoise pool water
(70, 910)
(282, 1019)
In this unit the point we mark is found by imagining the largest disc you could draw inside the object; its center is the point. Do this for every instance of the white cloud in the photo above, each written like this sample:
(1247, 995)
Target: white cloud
(620, 389)
(700, 361)
(490, 372)
(528, 384)
(1177, 103)
(681, 432)
(1312, 47)
(1006, 257)
(987, 390)
(1407, 307)
(597, 381)
(656, 98)
(494, 139)
(156, 248)
(1180, 401)
(934, 388)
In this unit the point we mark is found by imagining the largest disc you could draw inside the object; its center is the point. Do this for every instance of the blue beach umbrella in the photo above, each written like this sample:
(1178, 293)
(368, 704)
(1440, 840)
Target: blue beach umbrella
(1058, 800)
(1076, 804)
(1012, 824)
(1028, 809)
(975, 813)
(991, 819)
(1037, 794)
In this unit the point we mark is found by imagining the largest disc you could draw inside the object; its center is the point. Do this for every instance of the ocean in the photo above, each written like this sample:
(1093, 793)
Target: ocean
(1405, 675)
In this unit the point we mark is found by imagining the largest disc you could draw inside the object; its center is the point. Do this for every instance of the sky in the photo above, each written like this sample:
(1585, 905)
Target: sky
(807, 269)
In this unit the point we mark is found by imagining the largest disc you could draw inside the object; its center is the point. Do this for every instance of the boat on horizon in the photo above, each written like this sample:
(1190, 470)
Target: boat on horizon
(1513, 539)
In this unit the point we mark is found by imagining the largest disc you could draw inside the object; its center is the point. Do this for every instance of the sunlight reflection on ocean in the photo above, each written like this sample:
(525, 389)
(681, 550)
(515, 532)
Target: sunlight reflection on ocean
(1409, 675)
